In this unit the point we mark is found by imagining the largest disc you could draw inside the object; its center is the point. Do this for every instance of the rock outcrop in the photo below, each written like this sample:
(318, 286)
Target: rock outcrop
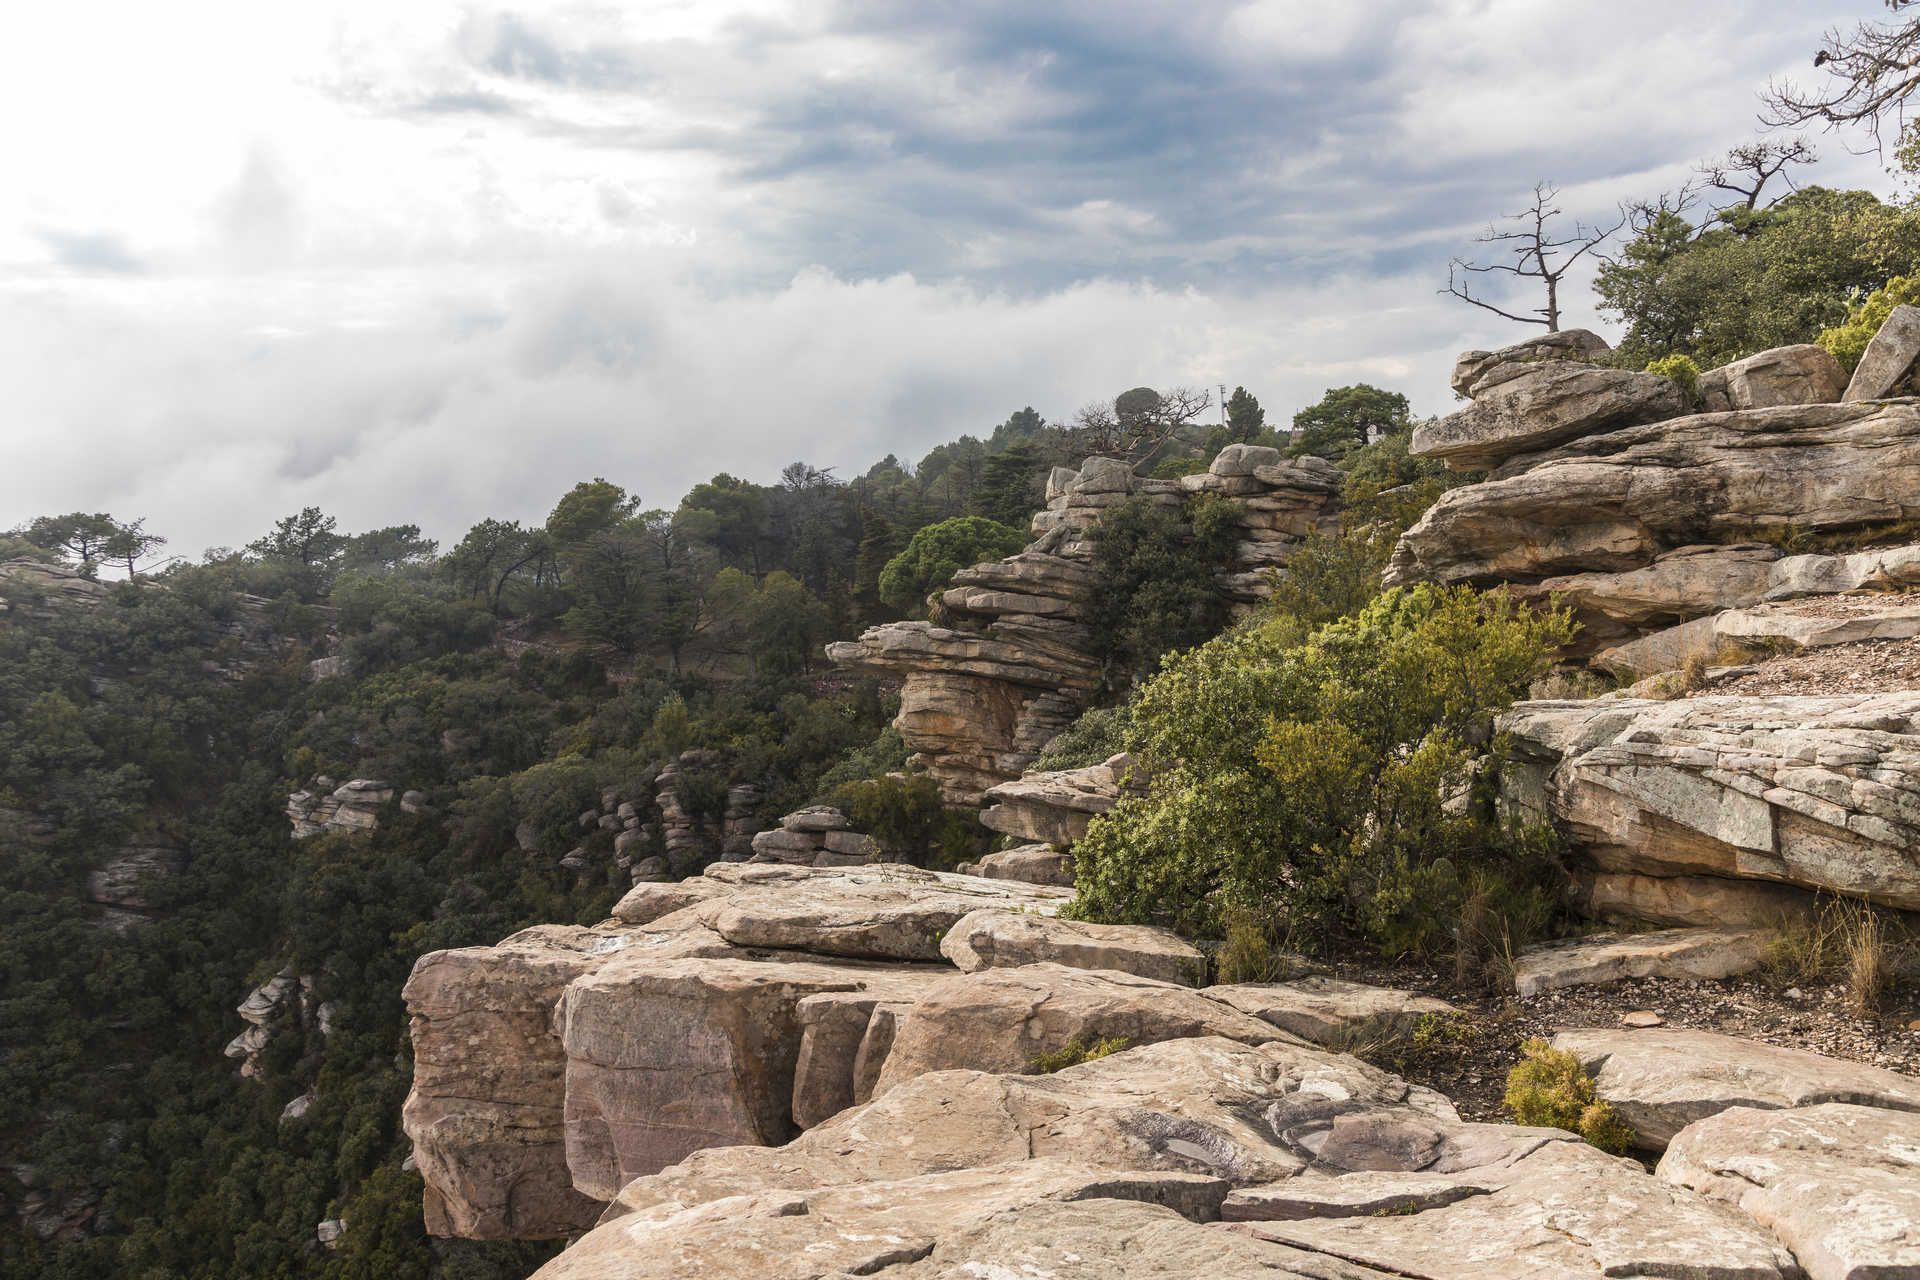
(817, 836)
(124, 885)
(995, 939)
(1666, 953)
(36, 589)
(1804, 791)
(1032, 863)
(348, 809)
(1010, 668)
(1054, 806)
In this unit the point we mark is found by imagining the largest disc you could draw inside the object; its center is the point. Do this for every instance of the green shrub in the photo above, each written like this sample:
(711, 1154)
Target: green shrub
(904, 813)
(1548, 1087)
(1076, 1051)
(1848, 341)
(1098, 735)
(1681, 370)
(1324, 786)
(939, 551)
(1156, 586)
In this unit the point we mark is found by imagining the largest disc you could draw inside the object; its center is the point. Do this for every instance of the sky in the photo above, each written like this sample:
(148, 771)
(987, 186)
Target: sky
(432, 262)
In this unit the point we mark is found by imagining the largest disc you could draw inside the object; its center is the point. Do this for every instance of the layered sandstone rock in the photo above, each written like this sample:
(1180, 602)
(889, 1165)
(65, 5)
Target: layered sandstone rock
(1666, 953)
(1031, 863)
(1011, 668)
(1887, 364)
(1547, 405)
(1812, 792)
(1331, 1011)
(1661, 1080)
(1054, 806)
(1784, 625)
(1803, 374)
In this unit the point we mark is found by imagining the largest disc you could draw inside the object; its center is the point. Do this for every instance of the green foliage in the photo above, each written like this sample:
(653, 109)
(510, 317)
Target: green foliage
(1074, 1052)
(1348, 418)
(937, 552)
(1549, 1088)
(1308, 784)
(1757, 278)
(1097, 735)
(1246, 420)
(1156, 586)
(1848, 341)
(904, 813)
(1682, 370)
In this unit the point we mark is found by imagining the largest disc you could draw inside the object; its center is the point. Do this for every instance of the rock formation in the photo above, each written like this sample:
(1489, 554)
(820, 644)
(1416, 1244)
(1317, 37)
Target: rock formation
(982, 694)
(348, 809)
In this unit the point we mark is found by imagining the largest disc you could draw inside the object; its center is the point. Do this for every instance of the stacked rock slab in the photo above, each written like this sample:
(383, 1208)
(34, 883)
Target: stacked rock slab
(1011, 668)
(1054, 806)
(1814, 793)
(817, 836)
(348, 809)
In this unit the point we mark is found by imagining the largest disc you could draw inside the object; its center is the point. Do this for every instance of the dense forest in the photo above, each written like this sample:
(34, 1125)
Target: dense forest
(502, 684)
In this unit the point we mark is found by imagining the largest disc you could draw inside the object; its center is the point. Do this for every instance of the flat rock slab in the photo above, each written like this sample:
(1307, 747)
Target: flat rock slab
(1838, 1184)
(1889, 358)
(1549, 404)
(1665, 953)
(876, 912)
(1331, 1012)
(996, 939)
(1031, 863)
(1661, 1080)
(1005, 1019)
(1567, 1210)
(1349, 1196)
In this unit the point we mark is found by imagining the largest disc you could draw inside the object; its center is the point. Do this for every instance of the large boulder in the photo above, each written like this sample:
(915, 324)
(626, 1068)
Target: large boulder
(1662, 1079)
(994, 938)
(1887, 363)
(1805, 791)
(1838, 1184)
(1054, 807)
(1547, 405)
(1476, 372)
(1030, 863)
(1006, 1019)
(1803, 374)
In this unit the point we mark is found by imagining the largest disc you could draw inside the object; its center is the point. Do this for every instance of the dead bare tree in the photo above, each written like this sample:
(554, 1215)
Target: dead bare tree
(1540, 250)
(1874, 69)
(1136, 425)
(1746, 170)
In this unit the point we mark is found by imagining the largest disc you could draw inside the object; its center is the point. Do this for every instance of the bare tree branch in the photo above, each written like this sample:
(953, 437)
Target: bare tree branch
(1873, 70)
(1540, 251)
(1746, 170)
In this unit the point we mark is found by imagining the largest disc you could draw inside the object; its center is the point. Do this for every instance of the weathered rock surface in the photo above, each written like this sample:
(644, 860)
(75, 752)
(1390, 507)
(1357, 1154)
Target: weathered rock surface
(1002, 1019)
(1687, 901)
(1838, 1184)
(1331, 1011)
(128, 879)
(1030, 863)
(1661, 1080)
(1888, 360)
(1803, 374)
(996, 938)
(1562, 1210)
(1549, 404)
(1883, 569)
(818, 836)
(982, 695)
(1814, 792)
(350, 808)
(664, 1058)
(1677, 586)
(37, 589)
(1666, 953)
(1054, 807)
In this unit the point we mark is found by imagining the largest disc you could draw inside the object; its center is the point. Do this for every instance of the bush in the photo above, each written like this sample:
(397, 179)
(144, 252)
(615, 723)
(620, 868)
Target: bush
(1682, 371)
(904, 813)
(1325, 786)
(1156, 586)
(939, 551)
(1097, 736)
(1548, 1087)
(1848, 341)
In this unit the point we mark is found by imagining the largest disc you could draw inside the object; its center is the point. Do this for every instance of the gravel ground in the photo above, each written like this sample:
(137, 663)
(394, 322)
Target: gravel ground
(1469, 1061)
(1874, 666)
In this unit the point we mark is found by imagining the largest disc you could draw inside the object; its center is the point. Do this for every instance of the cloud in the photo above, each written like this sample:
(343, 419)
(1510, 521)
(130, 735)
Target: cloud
(439, 261)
